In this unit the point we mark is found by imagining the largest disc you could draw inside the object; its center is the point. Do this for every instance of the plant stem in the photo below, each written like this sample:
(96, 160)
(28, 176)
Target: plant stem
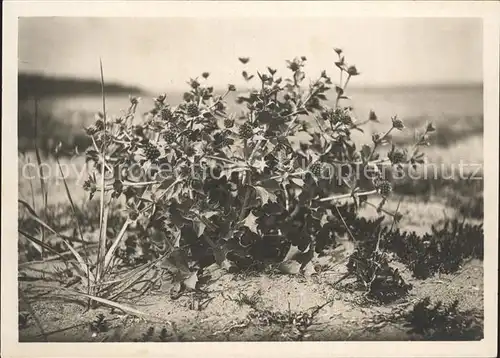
(343, 90)
(31, 185)
(222, 159)
(415, 146)
(257, 146)
(102, 232)
(346, 196)
(245, 201)
(345, 224)
(296, 113)
(347, 81)
(382, 209)
(287, 199)
(341, 76)
(248, 179)
(378, 142)
(43, 187)
(109, 254)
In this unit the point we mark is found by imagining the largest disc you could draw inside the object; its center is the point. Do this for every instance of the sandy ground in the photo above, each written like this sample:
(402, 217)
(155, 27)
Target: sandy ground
(240, 308)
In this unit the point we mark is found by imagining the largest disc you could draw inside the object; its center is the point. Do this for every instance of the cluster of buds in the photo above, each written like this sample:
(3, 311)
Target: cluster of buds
(97, 126)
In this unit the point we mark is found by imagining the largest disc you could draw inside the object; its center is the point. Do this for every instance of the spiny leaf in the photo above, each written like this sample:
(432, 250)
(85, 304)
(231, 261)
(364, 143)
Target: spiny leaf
(297, 181)
(259, 165)
(209, 214)
(292, 253)
(290, 267)
(199, 228)
(251, 222)
(265, 195)
(191, 281)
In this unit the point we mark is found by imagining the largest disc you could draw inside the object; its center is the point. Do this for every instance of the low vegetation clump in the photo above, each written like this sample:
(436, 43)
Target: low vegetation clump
(99, 325)
(442, 322)
(444, 250)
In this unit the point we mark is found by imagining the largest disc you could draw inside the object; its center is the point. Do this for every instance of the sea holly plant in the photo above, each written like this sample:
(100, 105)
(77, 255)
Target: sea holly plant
(240, 189)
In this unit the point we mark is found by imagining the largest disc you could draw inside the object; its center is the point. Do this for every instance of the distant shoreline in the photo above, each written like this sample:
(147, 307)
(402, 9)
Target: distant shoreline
(43, 86)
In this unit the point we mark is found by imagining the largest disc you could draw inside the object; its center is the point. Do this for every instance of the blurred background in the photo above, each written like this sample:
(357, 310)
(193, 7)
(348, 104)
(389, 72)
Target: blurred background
(418, 68)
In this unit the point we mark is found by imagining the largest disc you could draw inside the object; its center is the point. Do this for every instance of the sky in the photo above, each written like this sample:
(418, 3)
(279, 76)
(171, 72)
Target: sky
(163, 53)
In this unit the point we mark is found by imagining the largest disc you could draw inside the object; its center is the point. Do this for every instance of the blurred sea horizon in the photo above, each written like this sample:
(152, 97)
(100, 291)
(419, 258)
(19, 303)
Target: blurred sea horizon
(456, 110)
(405, 102)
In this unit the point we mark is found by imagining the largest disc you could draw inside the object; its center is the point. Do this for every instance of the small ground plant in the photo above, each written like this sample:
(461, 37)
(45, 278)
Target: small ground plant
(99, 325)
(443, 322)
(206, 186)
(442, 251)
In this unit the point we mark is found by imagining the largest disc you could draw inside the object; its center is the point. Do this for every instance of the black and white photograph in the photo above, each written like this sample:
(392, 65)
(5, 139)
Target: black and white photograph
(256, 177)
